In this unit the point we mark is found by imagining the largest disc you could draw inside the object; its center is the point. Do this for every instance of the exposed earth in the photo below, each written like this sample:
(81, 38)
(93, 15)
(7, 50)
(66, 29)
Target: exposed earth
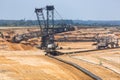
(23, 61)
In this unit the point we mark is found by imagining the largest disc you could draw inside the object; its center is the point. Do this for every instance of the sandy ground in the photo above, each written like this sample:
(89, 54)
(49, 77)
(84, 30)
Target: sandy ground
(104, 73)
(75, 46)
(107, 58)
(25, 62)
(104, 63)
(34, 66)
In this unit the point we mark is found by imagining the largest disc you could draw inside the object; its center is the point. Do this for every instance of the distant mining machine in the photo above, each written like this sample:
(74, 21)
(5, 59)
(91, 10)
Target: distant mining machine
(47, 28)
(103, 42)
(1, 35)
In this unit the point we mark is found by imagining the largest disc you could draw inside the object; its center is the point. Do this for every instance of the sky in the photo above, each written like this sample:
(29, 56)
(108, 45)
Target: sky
(68, 9)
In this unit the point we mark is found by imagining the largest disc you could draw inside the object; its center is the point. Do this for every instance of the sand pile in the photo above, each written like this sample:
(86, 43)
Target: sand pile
(4, 45)
(20, 47)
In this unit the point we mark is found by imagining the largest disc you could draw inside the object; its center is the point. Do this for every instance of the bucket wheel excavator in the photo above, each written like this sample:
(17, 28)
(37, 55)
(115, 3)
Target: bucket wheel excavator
(47, 28)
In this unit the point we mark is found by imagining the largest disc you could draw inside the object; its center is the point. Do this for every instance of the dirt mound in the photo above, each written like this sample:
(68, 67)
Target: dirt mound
(34, 67)
(4, 45)
(20, 47)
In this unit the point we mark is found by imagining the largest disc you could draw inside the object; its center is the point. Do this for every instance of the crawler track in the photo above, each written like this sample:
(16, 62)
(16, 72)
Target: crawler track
(78, 67)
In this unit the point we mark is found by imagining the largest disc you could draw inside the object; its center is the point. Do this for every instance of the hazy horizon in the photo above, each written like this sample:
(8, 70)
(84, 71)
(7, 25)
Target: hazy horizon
(106, 10)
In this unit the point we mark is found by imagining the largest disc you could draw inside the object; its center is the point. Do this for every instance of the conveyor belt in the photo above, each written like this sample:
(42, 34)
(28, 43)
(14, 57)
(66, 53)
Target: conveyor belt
(78, 67)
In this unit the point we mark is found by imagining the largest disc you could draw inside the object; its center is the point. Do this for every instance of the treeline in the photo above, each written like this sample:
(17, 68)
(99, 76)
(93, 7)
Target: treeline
(59, 22)
(17, 22)
(96, 23)
(31, 22)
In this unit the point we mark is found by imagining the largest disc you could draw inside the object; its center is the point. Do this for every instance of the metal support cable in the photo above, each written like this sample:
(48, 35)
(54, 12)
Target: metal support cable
(59, 14)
